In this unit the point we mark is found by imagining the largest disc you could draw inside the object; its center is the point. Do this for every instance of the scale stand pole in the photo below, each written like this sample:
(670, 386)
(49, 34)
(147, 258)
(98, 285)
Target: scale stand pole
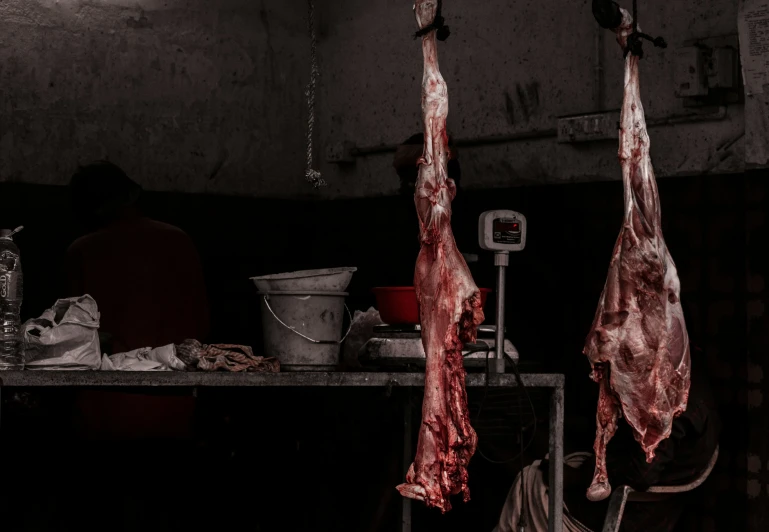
(501, 261)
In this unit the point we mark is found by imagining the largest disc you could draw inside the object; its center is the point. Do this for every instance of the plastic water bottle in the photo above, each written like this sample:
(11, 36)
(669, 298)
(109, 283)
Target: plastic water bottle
(11, 293)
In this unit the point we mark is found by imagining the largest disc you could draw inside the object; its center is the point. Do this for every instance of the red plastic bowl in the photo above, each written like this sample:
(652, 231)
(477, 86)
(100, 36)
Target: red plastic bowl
(398, 305)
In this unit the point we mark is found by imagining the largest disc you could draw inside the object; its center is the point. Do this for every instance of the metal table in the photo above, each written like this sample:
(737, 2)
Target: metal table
(90, 379)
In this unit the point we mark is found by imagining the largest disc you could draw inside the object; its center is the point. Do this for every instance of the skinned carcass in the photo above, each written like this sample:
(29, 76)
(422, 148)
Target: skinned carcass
(449, 300)
(638, 346)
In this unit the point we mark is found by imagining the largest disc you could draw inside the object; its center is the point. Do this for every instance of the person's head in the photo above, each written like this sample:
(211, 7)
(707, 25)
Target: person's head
(405, 162)
(101, 192)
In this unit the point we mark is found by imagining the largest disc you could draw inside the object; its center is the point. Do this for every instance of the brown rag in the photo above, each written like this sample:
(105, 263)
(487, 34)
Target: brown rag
(229, 357)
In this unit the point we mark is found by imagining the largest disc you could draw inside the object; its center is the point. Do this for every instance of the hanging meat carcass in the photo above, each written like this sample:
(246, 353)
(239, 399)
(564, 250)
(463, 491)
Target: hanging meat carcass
(638, 346)
(449, 300)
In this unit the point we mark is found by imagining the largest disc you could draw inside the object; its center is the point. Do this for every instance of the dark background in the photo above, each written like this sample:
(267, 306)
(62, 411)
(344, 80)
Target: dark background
(324, 460)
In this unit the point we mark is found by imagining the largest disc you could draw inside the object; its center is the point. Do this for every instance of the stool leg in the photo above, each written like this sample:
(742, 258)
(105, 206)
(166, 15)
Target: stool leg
(616, 509)
(407, 432)
(555, 502)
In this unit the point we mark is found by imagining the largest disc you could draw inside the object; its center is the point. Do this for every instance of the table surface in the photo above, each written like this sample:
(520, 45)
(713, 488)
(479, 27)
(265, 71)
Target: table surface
(55, 378)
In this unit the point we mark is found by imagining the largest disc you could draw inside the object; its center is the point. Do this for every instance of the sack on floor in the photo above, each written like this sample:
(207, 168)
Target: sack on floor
(66, 336)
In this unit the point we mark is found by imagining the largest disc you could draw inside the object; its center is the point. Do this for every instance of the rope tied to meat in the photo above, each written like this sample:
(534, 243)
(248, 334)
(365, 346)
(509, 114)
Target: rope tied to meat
(438, 24)
(634, 40)
(229, 357)
(312, 175)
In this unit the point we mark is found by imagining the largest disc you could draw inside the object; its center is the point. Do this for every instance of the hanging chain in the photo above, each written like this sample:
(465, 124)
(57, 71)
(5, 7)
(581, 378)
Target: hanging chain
(312, 175)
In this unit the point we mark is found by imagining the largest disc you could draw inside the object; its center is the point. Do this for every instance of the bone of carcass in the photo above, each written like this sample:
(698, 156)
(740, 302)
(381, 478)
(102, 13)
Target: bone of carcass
(449, 302)
(638, 346)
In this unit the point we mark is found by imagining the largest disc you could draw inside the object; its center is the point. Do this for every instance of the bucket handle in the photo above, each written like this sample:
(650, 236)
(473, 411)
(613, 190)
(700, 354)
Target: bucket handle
(293, 330)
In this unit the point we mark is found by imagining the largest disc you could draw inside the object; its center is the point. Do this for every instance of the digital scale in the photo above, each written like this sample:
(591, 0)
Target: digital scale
(401, 345)
(500, 231)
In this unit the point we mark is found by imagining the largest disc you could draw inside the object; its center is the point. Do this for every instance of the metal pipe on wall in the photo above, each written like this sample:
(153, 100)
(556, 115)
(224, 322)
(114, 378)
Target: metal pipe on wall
(598, 70)
(475, 141)
(686, 118)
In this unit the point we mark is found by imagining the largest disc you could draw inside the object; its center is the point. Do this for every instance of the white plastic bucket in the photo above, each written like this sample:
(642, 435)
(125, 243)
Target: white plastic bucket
(303, 329)
(325, 280)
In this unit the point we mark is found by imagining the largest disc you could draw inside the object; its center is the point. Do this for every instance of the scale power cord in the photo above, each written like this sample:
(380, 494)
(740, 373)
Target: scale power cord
(481, 347)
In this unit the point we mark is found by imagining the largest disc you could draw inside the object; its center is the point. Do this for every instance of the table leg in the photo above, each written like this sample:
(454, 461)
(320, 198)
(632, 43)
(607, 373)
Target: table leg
(555, 523)
(407, 432)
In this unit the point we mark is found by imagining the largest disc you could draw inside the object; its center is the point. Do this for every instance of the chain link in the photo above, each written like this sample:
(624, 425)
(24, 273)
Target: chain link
(312, 175)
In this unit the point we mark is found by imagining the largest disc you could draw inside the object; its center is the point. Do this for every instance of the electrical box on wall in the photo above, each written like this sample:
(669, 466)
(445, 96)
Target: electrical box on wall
(721, 69)
(707, 72)
(690, 78)
(589, 127)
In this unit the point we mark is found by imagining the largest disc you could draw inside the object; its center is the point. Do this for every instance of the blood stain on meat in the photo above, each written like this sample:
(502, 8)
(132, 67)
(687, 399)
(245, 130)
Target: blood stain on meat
(638, 346)
(449, 301)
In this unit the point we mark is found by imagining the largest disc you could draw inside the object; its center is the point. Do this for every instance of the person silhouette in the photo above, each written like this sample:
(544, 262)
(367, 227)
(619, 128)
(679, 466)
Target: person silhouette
(147, 279)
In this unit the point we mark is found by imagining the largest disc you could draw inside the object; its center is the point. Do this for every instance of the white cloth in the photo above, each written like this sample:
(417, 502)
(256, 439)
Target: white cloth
(536, 500)
(144, 359)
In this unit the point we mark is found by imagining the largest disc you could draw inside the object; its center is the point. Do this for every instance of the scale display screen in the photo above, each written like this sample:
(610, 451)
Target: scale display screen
(506, 231)
(502, 231)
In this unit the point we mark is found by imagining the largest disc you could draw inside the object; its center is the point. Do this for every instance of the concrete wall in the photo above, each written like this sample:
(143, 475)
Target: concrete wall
(208, 95)
(512, 67)
(188, 95)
